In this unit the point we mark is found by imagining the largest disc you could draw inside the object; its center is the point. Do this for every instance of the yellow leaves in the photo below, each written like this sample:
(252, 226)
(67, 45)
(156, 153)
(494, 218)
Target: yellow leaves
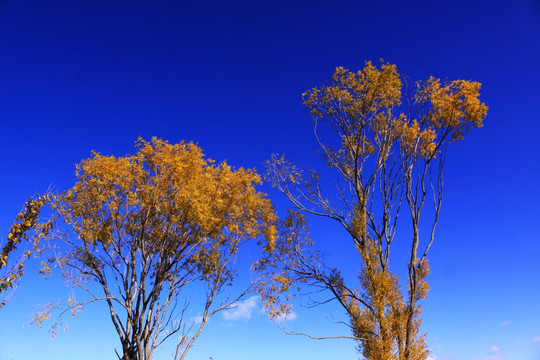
(422, 287)
(416, 139)
(40, 319)
(43, 315)
(355, 94)
(45, 269)
(170, 198)
(360, 107)
(25, 223)
(358, 221)
(277, 279)
(282, 283)
(377, 313)
(454, 108)
(295, 176)
(449, 112)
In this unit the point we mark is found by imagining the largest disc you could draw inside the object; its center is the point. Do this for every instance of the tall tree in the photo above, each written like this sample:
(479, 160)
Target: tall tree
(145, 227)
(11, 270)
(388, 153)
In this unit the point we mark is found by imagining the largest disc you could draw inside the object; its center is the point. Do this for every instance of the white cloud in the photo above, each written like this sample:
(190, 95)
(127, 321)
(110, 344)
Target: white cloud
(287, 317)
(505, 323)
(536, 339)
(197, 319)
(431, 357)
(494, 353)
(243, 310)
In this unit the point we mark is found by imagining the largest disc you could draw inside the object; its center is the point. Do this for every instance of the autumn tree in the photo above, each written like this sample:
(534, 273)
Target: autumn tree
(387, 154)
(146, 227)
(25, 229)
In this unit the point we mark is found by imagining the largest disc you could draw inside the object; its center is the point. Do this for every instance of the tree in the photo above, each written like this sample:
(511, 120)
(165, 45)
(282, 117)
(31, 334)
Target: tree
(25, 222)
(387, 154)
(145, 227)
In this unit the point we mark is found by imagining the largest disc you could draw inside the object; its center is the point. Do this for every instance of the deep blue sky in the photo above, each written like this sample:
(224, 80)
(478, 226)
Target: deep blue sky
(83, 75)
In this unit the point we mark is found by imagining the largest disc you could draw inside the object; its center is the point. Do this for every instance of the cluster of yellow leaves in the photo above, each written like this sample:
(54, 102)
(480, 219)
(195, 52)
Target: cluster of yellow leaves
(423, 271)
(448, 113)
(25, 221)
(379, 313)
(356, 94)
(417, 141)
(38, 320)
(278, 269)
(455, 105)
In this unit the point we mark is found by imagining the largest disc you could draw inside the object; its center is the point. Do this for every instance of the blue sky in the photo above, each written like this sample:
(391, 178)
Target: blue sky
(82, 75)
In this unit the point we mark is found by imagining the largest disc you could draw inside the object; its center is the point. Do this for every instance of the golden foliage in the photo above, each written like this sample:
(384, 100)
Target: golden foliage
(277, 281)
(26, 221)
(363, 107)
(165, 197)
(379, 316)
